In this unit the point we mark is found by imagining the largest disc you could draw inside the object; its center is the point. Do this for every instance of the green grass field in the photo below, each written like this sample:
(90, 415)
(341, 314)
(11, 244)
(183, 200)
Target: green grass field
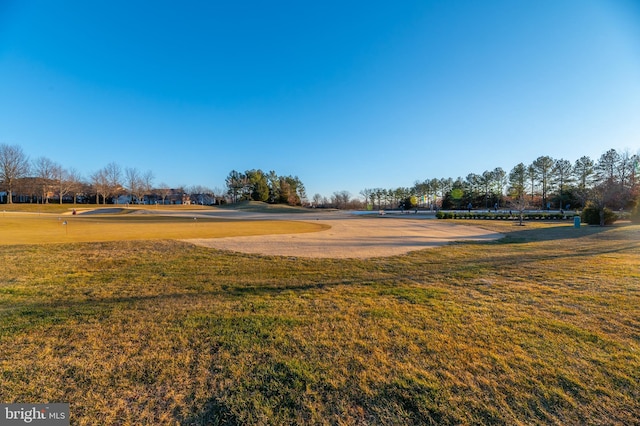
(542, 327)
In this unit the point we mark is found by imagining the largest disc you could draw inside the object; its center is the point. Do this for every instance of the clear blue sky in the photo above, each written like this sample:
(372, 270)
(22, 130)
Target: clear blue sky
(346, 95)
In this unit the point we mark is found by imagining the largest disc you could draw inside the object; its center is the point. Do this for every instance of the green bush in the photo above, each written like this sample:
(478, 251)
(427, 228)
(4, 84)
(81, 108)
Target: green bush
(635, 213)
(591, 216)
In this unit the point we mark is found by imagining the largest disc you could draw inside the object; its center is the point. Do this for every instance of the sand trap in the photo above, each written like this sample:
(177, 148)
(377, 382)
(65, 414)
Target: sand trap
(352, 236)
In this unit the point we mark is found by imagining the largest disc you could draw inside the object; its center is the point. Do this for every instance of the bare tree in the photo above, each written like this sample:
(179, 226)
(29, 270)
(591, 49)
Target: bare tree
(164, 192)
(626, 170)
(368, 194)
(517, 189)
(45, 171)
(101, 185)
(14, 164)
(113, 175)
(139, 184)
(340, 200)
(602, 195)
(69, 182)
(147, 183)
(132, 181)
(520, 204)
(202, 195)
(614, 174)
(218, 195)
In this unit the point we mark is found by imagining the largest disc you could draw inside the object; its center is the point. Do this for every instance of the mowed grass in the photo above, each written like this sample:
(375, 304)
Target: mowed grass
(18, 228)
(542, 327)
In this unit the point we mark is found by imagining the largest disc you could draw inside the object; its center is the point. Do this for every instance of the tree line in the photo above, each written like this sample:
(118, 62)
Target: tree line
(611, 181)
(43, 180)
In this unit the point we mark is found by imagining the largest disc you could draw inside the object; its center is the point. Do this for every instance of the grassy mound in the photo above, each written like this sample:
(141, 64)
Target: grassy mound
(260, 207)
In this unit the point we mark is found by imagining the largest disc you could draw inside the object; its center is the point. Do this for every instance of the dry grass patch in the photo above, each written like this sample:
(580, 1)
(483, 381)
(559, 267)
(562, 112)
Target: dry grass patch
(35, 229)
(528, 330)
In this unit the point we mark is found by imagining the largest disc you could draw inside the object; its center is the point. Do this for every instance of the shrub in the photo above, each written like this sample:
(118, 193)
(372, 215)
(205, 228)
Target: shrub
(591, 216)
(514, 216)
(635, 213)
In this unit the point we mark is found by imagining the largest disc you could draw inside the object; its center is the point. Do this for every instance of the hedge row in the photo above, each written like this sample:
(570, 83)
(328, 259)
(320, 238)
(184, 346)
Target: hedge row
(503, 216)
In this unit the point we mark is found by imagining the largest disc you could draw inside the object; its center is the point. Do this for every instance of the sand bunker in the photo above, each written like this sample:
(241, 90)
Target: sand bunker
(352, 236)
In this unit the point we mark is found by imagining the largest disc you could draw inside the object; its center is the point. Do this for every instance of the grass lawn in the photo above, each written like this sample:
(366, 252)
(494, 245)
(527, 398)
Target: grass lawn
(16, 228)
(542, 327)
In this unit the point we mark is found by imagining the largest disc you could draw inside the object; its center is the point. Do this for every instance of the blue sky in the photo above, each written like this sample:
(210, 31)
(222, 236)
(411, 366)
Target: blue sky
(345, 95)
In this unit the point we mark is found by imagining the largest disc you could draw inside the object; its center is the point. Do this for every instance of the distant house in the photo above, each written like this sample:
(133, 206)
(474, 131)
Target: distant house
(202, 199)
(166, 196)
(31, 190)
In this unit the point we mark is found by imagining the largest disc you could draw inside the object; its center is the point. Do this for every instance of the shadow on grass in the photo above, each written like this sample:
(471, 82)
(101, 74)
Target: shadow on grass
(522, 234)
(214, 413)
(261, 290)
(28, 315)
(604, 244)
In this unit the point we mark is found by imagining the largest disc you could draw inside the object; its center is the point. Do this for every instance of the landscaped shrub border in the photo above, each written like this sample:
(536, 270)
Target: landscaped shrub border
(591, 215)
(503, 215)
